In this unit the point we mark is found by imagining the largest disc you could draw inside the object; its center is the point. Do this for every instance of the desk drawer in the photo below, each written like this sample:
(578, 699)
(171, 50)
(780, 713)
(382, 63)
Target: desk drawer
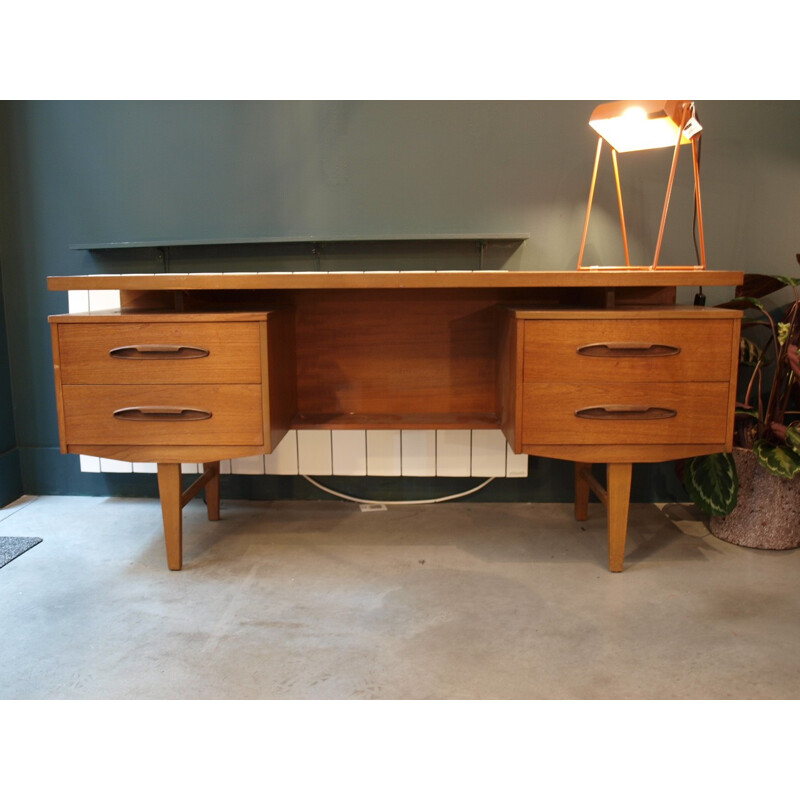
(627, 350)
(618, 413)
(191, 414)
(160, 352)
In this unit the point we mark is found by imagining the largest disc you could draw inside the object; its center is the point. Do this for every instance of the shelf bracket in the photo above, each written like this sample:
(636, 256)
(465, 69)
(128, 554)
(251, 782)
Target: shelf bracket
(162, 256)
(316, 251)
(482, 245)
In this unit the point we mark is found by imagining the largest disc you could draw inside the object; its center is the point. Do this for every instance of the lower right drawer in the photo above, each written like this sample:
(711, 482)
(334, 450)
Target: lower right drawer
(624, 413)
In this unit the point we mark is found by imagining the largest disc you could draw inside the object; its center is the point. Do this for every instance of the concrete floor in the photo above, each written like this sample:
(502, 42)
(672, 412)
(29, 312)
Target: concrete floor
(320, 600)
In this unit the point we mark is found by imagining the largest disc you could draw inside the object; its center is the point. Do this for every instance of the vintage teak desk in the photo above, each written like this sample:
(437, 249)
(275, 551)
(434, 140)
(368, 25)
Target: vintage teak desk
(591, 367)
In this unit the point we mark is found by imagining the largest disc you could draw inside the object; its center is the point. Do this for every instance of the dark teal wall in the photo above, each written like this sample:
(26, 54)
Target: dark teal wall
(10, 476)
(78, 172)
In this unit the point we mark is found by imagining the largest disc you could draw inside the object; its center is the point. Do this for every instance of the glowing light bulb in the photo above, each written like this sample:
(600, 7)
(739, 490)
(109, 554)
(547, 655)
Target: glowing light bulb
(636, 128)
(634, 115)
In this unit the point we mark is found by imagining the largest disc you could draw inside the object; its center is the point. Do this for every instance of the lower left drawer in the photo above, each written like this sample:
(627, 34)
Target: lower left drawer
(189, 414)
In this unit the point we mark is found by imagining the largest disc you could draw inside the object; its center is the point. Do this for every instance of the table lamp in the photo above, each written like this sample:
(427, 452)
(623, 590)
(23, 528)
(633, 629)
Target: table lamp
(628, 126)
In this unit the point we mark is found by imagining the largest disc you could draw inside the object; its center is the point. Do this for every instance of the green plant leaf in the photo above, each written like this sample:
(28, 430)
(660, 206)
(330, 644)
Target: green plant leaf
(758, 285)
(777, 459)
(712, 483)
(787, 280)
(793, 438)
(744, 302)
(749, 352)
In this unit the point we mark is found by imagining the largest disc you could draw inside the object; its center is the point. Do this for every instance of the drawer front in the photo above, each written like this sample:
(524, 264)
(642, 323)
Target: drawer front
(618, 413)
(191, 414)
(627, 350)
(160, 352)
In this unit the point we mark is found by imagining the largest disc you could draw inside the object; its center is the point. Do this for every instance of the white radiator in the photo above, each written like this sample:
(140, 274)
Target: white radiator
(443, 453)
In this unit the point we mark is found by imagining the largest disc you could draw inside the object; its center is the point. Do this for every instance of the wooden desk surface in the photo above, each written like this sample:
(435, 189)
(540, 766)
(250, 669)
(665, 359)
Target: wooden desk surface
(407, 279)
(405, 349)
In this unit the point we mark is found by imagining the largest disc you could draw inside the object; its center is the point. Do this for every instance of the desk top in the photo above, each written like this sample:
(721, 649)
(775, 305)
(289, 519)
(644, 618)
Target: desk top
(406, 279)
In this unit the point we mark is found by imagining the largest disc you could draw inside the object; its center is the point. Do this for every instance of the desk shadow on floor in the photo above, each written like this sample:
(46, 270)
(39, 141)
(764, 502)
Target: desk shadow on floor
(490, 532)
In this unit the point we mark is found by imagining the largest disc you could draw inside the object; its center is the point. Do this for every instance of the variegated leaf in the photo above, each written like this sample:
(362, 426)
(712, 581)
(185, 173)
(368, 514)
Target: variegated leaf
(793, 438)
(749, 352)
(777, 459)
(712, 483)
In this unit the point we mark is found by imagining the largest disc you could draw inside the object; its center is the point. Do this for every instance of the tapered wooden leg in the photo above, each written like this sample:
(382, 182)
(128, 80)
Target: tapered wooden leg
(212, 490)
(619, 495)
(581, 493)
(169, 490)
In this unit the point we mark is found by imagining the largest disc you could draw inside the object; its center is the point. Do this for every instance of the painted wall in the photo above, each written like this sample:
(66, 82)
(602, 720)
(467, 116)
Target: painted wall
(78, 172)
(10, 476)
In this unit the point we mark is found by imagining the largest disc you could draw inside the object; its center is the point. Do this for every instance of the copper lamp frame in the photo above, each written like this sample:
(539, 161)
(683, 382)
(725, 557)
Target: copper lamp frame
(681, 113)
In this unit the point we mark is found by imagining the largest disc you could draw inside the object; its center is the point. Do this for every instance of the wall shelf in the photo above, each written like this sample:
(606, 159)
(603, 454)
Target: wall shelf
(430, 237)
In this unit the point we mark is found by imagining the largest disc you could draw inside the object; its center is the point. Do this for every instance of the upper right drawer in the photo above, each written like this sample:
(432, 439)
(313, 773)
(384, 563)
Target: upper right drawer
(628, 350)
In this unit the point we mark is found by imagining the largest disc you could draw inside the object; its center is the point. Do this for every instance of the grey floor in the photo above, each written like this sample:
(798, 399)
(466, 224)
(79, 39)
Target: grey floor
(321, 600)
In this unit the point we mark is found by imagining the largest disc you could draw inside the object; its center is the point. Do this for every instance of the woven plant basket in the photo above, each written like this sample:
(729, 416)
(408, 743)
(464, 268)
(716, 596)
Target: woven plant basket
(767, 515)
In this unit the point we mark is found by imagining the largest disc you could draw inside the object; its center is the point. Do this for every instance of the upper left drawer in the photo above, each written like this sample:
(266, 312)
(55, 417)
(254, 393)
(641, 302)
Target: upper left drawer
(160, 352)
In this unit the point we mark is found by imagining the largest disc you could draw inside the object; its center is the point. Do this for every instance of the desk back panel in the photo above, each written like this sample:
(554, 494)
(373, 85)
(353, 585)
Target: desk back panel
(376, 353)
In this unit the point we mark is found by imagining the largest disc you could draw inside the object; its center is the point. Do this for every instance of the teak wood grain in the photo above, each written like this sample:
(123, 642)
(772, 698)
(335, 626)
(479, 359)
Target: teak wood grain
(400, 350)
(167, 453)
(234, 352)
(701, 348)
(235, 414)
(395, 353)
(279, 370)
(550, 413)
(406, 279)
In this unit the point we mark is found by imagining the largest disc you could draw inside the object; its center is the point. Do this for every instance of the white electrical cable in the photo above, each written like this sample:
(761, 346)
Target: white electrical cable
(398, 502)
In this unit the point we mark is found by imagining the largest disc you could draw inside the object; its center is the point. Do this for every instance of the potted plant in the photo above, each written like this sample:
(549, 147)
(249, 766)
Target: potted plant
(753, 494)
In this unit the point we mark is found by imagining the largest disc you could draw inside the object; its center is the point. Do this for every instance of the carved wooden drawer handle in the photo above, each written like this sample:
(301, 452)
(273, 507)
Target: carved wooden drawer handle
(627, 350)
(157, 351)
(161, 414)
(622, 412)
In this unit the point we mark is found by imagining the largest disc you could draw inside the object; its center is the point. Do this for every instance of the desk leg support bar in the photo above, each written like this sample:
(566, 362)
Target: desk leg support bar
(615, 497)
(173, 499)
(582, 491)
(212, 490)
